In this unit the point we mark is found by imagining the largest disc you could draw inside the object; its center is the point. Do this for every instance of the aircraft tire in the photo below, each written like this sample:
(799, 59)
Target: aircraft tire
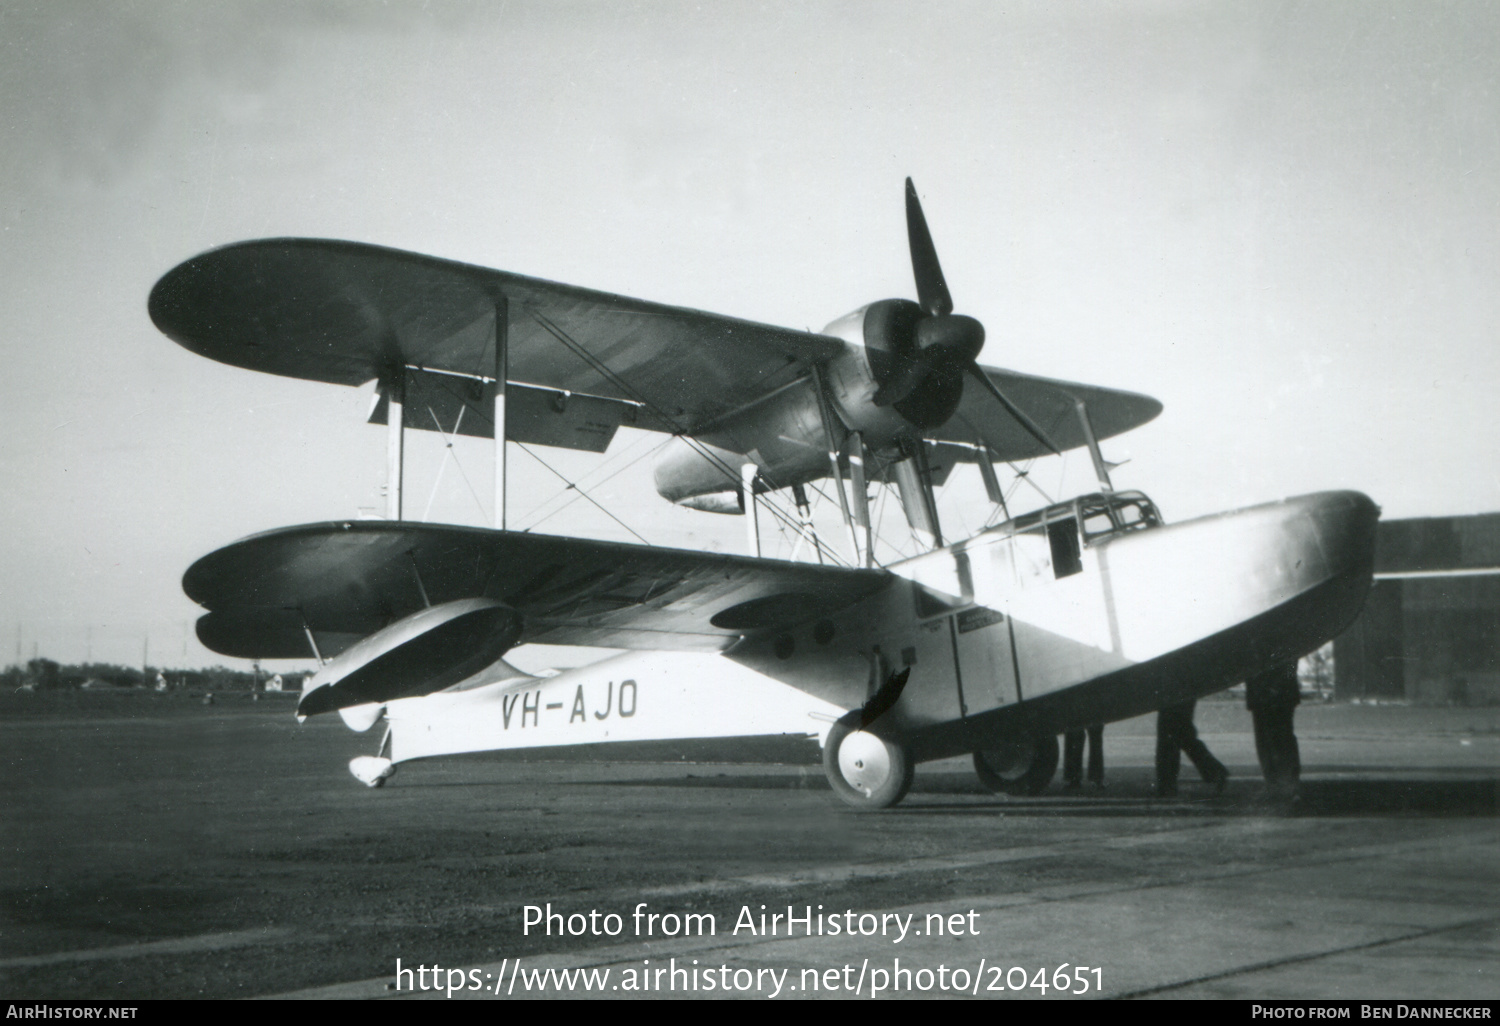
(866, 772)
(1022, 769)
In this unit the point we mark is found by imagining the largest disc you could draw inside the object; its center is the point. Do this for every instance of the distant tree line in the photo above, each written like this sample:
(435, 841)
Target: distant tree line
(46, 674)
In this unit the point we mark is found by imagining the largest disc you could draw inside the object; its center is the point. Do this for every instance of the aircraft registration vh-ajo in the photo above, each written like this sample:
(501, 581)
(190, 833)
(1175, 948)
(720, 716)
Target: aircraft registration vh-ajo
(1084, 612)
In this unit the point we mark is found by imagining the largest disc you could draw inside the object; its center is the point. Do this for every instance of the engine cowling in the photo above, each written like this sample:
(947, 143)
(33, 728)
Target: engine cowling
(891, 347)
(918, 360)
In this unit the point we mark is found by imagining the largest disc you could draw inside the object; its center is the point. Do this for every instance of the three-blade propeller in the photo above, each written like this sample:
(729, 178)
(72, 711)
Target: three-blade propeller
(945, 344)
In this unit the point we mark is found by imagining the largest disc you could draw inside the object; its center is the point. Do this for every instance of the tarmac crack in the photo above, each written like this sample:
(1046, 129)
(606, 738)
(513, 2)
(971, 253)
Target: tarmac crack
(172, 946)
(1311, 956)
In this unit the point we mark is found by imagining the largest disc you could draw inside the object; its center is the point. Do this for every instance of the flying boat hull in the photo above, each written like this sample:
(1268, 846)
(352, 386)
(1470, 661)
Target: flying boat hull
(1001, 638)
(1006, 638)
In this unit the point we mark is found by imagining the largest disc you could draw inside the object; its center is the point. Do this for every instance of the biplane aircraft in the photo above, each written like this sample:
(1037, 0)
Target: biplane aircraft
(1087, 611)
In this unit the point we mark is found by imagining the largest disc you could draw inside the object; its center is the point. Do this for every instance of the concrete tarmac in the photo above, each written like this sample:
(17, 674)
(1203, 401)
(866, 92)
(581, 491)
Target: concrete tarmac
(155, 847)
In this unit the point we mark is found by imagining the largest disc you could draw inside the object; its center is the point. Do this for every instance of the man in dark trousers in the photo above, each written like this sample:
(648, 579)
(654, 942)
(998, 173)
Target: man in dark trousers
(1073, 757)
(1176, 734)
(1272, 699)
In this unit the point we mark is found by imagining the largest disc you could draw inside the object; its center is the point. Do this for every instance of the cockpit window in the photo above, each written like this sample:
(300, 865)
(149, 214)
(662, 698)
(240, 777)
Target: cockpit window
(1128, 511)
(1099, 515)
(1097, 521)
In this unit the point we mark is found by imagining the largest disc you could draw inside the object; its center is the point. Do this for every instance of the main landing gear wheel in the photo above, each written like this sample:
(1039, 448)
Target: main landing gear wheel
(866, 772)
(1023, 766)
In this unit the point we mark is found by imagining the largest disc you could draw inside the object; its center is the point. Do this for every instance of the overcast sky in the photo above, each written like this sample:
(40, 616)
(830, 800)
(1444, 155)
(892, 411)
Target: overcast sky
(1280, 219)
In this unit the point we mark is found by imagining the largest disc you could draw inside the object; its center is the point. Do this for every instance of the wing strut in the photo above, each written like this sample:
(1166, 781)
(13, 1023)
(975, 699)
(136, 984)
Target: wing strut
(312, 642)
(819, 385)
(752, 508)
(416, 572)
(860, 496)
(991, 482)
(1101, 468)
(805, 529)
(395, 441)
(502, 374)
(913, 476)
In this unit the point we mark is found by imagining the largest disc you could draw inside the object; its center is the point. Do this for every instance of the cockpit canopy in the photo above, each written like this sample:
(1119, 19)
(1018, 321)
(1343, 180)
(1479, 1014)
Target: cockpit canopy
(1115, 513)
(1097, 515)
(1072, 525)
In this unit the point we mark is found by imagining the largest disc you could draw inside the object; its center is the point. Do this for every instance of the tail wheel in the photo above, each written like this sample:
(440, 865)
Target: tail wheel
(1023, 766)
(866, 772)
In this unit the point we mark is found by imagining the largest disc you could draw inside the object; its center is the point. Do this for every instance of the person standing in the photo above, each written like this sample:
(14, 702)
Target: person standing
(1073, 742)
(1176, 734)
(1272, 698)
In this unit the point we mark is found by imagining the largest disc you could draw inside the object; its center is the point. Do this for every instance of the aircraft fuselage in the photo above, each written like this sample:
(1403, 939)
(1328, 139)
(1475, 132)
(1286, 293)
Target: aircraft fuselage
(1089, 611)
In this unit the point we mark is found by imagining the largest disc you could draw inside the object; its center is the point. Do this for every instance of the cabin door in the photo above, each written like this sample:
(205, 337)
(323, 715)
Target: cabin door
(986, 667)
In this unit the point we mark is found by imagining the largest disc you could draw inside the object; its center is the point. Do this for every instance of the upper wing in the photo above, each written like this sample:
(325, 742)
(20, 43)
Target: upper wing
(344, 581)
(1052, 405)
(345, 312)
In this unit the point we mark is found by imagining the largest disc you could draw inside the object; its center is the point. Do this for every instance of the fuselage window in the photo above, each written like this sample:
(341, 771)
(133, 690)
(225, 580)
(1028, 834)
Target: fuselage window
(1096, 522)
(1062, 535)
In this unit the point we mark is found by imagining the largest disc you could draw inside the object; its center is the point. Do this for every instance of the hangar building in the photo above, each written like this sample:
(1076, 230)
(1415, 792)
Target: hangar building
(1430, 630)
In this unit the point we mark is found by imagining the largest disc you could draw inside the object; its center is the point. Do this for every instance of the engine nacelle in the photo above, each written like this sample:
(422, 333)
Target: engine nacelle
(783, 435)
(891, 334)
(701, 476)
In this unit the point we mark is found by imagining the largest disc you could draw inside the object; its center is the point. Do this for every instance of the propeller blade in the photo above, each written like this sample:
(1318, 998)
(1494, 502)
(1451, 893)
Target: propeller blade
(932, 287)
(1014, 410)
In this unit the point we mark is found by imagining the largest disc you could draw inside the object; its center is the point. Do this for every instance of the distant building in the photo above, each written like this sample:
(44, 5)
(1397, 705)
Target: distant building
(1430, 630)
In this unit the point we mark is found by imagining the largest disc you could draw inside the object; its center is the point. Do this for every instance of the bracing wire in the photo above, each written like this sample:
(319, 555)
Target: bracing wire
(880, 505)
(570, 485)
(448, 441)
(527, 450)
(447, 454)
(541, 511)
(1025, 475)
(465, 405)
(804, 531)
(679, 430)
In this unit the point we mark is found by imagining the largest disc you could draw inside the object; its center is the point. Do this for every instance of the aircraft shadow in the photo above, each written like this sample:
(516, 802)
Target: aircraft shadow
(1134, 796)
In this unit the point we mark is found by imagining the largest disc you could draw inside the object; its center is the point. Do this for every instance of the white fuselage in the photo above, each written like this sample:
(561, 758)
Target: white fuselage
(635, 696)
(1011, 631)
